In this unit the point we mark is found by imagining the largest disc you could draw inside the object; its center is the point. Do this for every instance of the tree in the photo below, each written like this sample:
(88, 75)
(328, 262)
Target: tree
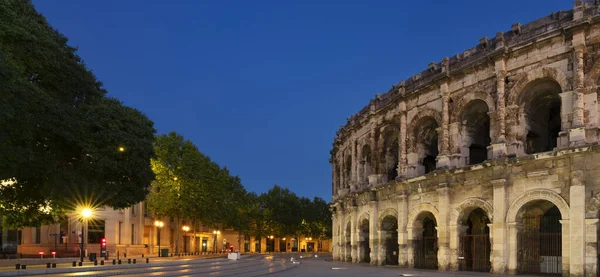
(63, 143)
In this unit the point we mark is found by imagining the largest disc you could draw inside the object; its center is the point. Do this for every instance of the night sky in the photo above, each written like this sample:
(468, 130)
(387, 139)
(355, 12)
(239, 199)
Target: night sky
(262, 86)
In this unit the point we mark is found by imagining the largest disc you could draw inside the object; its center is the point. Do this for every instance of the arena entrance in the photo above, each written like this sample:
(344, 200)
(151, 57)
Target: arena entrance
(474, 245)
(540, 240)
(389, 239)
(364, 247)
(425, 245)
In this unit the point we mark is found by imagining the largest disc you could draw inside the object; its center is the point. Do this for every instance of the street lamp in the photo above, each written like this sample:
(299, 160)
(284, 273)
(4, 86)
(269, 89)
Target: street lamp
(85, 214)
(159, 224)
(185, 228)
(216, 233)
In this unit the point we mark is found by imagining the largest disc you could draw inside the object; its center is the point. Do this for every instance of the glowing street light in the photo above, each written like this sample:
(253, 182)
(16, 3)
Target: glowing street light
(86, 213)
(121, 149)
(185, 228)
(159, 224)
(216, 233)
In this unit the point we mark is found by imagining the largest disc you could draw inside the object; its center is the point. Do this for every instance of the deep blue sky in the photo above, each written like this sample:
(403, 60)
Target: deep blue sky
(262, 86)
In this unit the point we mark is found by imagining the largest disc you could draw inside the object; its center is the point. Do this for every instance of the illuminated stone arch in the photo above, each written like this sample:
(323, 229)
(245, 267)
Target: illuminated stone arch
(416, 212)
(461, 212)
(414, 123)
(463, 102)
(515, 93)
(537, 194)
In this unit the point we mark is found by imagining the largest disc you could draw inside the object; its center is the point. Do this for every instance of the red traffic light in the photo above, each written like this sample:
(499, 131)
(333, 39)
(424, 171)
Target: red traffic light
(103, 241)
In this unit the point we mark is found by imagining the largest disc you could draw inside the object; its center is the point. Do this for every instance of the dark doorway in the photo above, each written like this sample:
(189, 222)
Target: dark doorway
(365, 248)
(282, 245)
(425, 247)
(389, 235)
(540, 242)
(475, 247)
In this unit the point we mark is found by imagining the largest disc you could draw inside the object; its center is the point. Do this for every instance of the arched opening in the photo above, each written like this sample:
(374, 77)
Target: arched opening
(476, 131)
(541, 101)
(475, 247)
(366, 163)
(389, 238)
(425, 242)
(364, 254)
(348, 243)
(426, 136)
(390, 154)
(539, 241)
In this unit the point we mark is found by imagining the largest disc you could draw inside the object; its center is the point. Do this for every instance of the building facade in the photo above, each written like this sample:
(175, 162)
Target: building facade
(132, 232)
(486, 161)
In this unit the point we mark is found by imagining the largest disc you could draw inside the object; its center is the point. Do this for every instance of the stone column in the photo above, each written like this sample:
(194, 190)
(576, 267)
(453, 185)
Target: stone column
(591, 247)
(412, 234)
(403, 162)
(354, 168)
(442, 228)
(354, 235)
(577, 131)
(374, 233)
(335, 240)
(456, 231)
(577, 225)
(403, 238)
(513, 230)
(498, 146)
(443, 159)
(498, 238)
(566, 246)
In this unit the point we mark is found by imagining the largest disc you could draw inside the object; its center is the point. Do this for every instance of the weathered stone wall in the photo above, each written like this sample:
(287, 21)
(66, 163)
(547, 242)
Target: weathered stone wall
(534, 90)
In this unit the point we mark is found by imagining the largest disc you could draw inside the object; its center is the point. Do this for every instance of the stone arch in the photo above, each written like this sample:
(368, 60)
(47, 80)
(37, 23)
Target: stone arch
(462, 211)
(422, 208)
(362, 217)
(387, 212)
(537, 194)
(465, 99)
(539, 73)
(423, 113)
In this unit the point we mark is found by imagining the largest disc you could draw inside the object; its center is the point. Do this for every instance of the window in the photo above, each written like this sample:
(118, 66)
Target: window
(133, 210)
(145, 208)
(120, 228)
(132, 233)
(38, 236)
(95, 231)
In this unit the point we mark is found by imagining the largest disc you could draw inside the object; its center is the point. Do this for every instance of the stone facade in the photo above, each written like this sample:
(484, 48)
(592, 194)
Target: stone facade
(488, 160)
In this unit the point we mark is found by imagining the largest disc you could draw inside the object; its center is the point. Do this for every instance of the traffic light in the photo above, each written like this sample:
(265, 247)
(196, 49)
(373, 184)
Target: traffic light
(103, 247)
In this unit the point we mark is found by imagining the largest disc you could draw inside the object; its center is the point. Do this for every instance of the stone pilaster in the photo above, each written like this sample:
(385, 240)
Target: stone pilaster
(566, 246)
(403, 161)
(354, 235)
(442, 228)
(577, 225)
(403, 238)
(455, 232)
(498, 238)
(443, 160)
(513, 230)
(335, 240)
(355, 164)
(374, 233)
(591, 247)
(500, 68)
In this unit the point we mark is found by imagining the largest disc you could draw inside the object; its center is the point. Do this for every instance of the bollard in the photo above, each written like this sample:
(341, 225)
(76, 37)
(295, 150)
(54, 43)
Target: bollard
(129, 260)
(102, 262)
(119, 261)
(17, 266)
(147, 260)
(74, 263)
(53, 265)
(133, 261)
(23, 266)
(47, 265)
(80, 263)
(95, 262)
(114, 261)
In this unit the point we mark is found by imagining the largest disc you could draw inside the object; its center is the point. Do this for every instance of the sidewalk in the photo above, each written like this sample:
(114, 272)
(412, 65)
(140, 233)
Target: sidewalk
(41, 264)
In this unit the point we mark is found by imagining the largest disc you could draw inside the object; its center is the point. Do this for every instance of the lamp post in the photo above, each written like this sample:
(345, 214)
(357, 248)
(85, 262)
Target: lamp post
(216, 233)
(185, 229)
(159, 224)
(85, 214)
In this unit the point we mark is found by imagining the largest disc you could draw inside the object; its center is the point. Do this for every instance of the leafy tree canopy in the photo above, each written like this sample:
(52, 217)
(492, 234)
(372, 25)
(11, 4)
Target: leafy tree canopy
(63, 143)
